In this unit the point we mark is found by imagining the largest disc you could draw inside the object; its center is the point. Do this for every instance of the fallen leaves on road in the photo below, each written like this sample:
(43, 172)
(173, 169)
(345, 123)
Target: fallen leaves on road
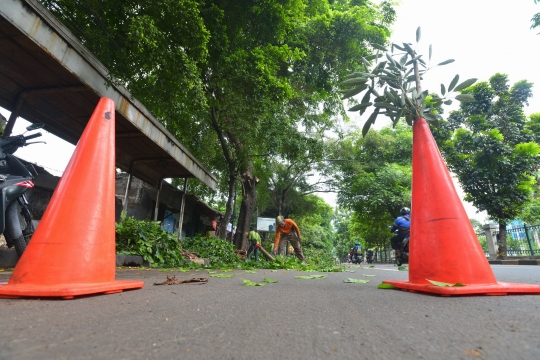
(251, 272)
(443, 284)
(172, 280)
(305, 277)
(402, 268)
(357, 281)
(268, 280)
(252, 283)
(385, 286)
(222, 275)
(369, 275)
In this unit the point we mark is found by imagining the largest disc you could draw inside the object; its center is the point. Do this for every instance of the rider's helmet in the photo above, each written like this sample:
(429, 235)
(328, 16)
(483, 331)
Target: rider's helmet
(405, 211)
(279, 220)
(357, 243)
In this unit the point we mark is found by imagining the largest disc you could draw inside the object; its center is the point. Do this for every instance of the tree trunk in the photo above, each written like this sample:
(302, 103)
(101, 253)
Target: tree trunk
(247, 207)
(502, 241)
(228, 208)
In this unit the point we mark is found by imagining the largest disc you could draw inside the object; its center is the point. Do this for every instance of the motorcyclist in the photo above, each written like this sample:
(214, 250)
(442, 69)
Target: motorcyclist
(402, 228)
(369, 256)
(357, 251)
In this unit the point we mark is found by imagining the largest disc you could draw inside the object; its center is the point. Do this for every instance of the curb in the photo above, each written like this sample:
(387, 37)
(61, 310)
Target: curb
(9, 258)
(515, 262)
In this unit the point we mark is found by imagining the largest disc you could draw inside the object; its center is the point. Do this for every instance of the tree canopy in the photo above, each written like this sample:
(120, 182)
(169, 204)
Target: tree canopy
(488, 146)
(233, 81)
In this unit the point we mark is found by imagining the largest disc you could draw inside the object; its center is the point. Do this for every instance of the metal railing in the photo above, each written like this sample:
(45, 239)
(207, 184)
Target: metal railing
(522, 240)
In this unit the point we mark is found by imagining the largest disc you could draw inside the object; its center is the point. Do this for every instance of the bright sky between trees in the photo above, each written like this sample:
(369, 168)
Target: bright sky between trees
(483, 36)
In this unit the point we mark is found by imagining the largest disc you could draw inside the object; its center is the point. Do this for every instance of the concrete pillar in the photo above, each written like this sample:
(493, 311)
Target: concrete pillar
(156, 209)
(491, 237)
(182, 208)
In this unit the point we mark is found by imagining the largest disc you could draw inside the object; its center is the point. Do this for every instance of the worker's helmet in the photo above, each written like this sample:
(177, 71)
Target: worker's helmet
(405, 211)
(279, 220)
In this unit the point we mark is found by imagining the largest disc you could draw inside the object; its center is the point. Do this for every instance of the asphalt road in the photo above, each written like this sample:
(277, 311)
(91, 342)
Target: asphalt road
(292, 319)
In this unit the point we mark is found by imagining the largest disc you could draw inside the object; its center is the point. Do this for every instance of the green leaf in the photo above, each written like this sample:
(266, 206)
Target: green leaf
(417, 57)
(443, 284)
(251, 271)
(360, 106)
(366, 63)
(373, 57)
(357, 74)
(379, 47)
(222, 275)
(443, 90)
(268, 280)
(465, 84)
(399, 47)
(453, 83)
(465, 97)
(273, 270)
(448, 102)
(355, 81)
(369, 122)
(430, 117)
(252, 283)
(357, 281)
(446, 62)
(430, 51)
(418, 34)
(402, 268)
(369, 275)
(403, 59)
(385, 286)
(306, 277)
(226, 270)
(372, 267)
(352, 92)
(410, 50)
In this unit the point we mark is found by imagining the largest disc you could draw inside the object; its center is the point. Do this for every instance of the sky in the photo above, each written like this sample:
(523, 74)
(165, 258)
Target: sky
(482, 36)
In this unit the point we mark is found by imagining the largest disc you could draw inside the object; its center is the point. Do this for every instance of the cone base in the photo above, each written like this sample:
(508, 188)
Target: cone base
(66, 291)
(497, 289)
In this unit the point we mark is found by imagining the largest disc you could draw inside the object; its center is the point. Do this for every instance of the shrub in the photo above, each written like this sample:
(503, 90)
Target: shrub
(220, 252)
(148, 239)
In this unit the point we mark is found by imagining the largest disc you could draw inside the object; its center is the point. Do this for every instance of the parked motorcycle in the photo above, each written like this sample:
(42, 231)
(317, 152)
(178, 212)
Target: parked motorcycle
(403, 258)
(369, 256)
(15, 180)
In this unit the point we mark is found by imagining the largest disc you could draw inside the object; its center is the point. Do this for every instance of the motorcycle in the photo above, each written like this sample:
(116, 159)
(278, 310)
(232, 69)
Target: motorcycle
(356, 258)
(403, 258)
(15, 179)
(369, 256)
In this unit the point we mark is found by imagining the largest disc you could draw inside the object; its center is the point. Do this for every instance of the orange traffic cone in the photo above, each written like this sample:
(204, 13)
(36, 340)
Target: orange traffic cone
(73, 250)
(443, 244)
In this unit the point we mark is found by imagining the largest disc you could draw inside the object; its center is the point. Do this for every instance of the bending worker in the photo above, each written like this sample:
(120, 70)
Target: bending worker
(291, 233)
(255, 243)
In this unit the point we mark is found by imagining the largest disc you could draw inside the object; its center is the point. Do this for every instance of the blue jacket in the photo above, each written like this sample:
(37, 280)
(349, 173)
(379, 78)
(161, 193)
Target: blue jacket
(402, 225)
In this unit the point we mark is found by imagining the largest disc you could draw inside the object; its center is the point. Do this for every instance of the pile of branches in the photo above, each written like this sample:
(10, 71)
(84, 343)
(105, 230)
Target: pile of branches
(242, 254)
(188, 255)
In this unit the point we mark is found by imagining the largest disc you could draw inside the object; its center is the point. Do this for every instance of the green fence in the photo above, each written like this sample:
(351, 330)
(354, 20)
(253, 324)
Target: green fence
(522, 240)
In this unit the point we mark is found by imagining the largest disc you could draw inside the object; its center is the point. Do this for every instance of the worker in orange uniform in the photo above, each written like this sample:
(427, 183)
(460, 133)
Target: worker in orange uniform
(291, 233)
